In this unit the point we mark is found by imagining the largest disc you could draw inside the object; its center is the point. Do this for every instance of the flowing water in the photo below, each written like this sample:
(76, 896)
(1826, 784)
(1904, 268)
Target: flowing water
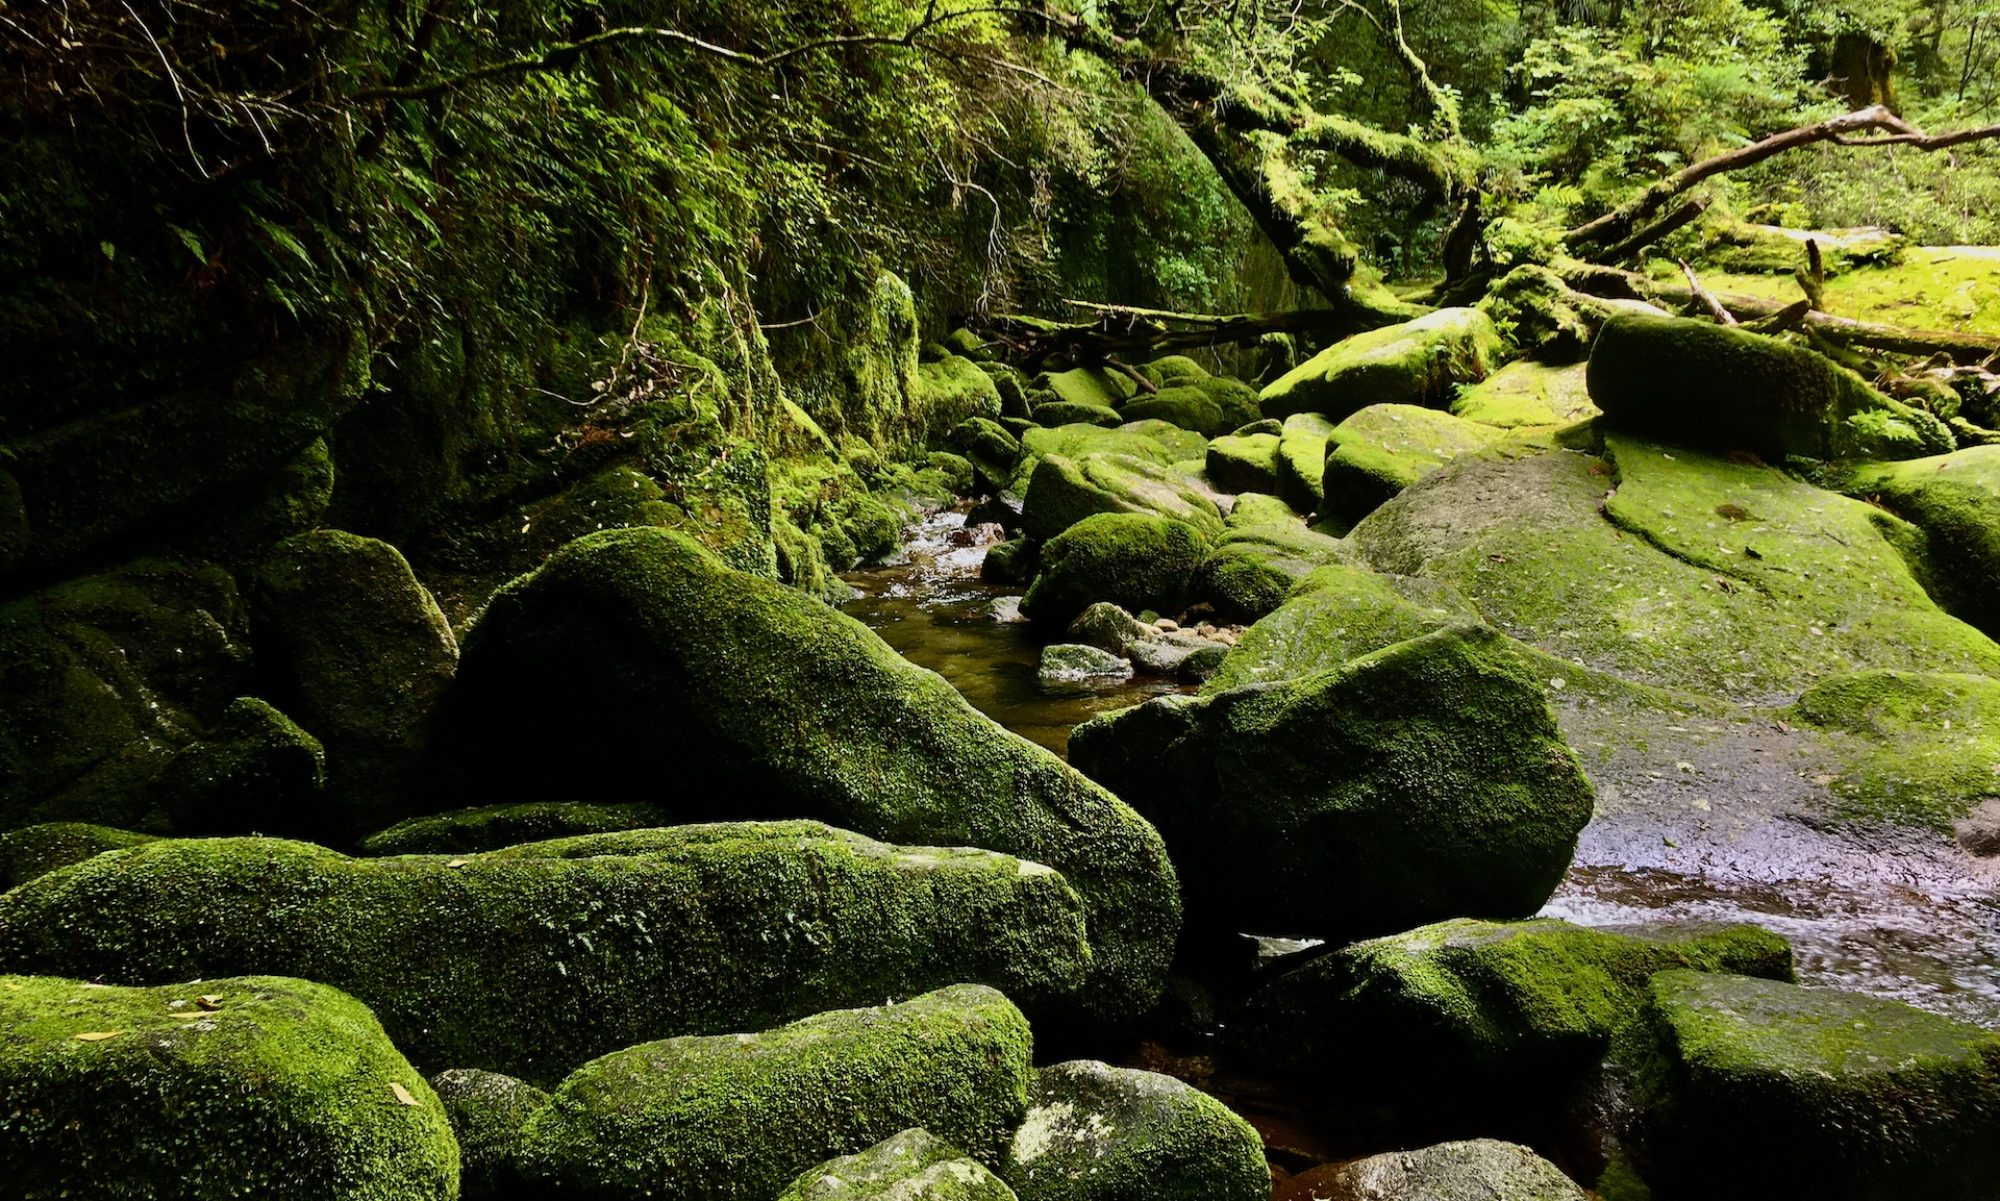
(1893, 914)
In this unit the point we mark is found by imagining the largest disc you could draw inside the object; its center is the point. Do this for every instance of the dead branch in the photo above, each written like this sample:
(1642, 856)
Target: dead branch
(1657, 230)
(1716, 308)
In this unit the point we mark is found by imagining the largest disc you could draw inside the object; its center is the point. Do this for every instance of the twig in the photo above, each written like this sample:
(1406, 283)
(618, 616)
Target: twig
(1707, 298)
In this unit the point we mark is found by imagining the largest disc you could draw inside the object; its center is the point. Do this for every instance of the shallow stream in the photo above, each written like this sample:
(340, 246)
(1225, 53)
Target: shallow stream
(1902, 916)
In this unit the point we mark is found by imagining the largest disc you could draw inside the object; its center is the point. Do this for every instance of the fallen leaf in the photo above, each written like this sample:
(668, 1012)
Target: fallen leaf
(97, 1036)
(402, 1094)
(458, 863)
(209, 1001)
(13, 987)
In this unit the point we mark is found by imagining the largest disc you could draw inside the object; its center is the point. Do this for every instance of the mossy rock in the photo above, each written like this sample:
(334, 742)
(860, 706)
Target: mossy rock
(256, 772)
(1527, 395)
(992, 450)
(914, 1165)
(1955, 500)
(1697, 573)
(490, 827)
(1064, 491)
(1756, 1089)
(359, 652)
(780, 706)
(1154, 441)
(1099, 1133)
(737, 1117)
(1423, 781)
(242, 525)
(33, 851)
(1699, 384)
(1419, 362)
(946, 392)
(1065, 412)
(104, 677)
(1253, 568)
(1244, 463)
(1337, 612)
(1094, 386)
(1536, 313)
(1150, 648)
(1915, 747)
(488, 1113)
(242, 1086)
(1468, 1170)
(1745, 246)
(1186, 405)
(1171, 369)
(1012, 386)
(1511, 1014)
(611, 939)
(1069, 664)
(1011, 562)
(1134, 560)
(1383, 449)
(1302, 460)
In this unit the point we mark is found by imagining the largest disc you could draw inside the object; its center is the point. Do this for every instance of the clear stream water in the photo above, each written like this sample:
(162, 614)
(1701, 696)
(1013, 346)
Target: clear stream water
(1914, 919)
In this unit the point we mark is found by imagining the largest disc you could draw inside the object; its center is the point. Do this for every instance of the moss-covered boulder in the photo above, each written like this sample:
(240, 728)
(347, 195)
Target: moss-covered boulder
(1527, 394)
(249, 1086)
(1171, 369)
(1955, 500)
(1480, 1169)
(1337, 612)
(1244, 463)
(104, 677)
(1506, 1012)
(1186, 405)
(1153, 441)
(992, 450)
(1383, 449)
(1071, 664)
(1419, 362)
(255, 772)
(38, 850)
(914, 1165)
(1151, 649)
(1067, 412)
(1302, 460)
(488, 1113)
(490, 827)
(737, 1117)
(1011, 562)
(1064, 491)
(1099, 1133)
(1098, 386)
(1696, 383)
(780, 706)
(1756, 1089)
(358, 652)
(1134, 560)
(610, 939)
(1260, 559)
(1423, 781)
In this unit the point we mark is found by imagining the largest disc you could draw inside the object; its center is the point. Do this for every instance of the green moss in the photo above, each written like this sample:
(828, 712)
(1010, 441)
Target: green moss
(1134, 560)
(780, 707)
(1423, 781)
(1870, 1098)
(1095, 1133)
(1184, 405)
(1246, 463)
(739, 1116)
(1063, 491)
(1419, 363)
(1093, 386)
(38, 850)
(487, 1112)
(1955, 500)
(1066, 412)
(1260, 559)
(1171, 369)
(1746, 248)
(490, 827)
(1508, 1013)
(1535, 312)
(1383, 449)
(1527, 394)
(257, 771)
(289, 501)
(1335, 613)
(609, 939)
(1153, 441)
(911, 1166)
(1011, 562)
(1915, 747)
(359, 651)
(1724, 389)
(242, 1086)
(992, 450)
(1934, 287)
(1302, 460)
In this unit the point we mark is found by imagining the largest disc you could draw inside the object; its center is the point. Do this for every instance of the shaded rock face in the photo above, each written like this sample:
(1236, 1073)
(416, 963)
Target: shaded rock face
(1383, 449)
(1133, 560)
(1417, 363)
(1869, 1098)
(1336, 613)
(37, 850)
(104, 678)
(777, 706)
(739, 1116)
(1473, 1170)
(1422, 781)
(257, 770)
(491, 827)
(1695, 383)
(1098, 1133)
(912, 1166)
(1955, 500)
(1511, 1014)
(234, 1062)
(488, 1112)
(609, 939)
